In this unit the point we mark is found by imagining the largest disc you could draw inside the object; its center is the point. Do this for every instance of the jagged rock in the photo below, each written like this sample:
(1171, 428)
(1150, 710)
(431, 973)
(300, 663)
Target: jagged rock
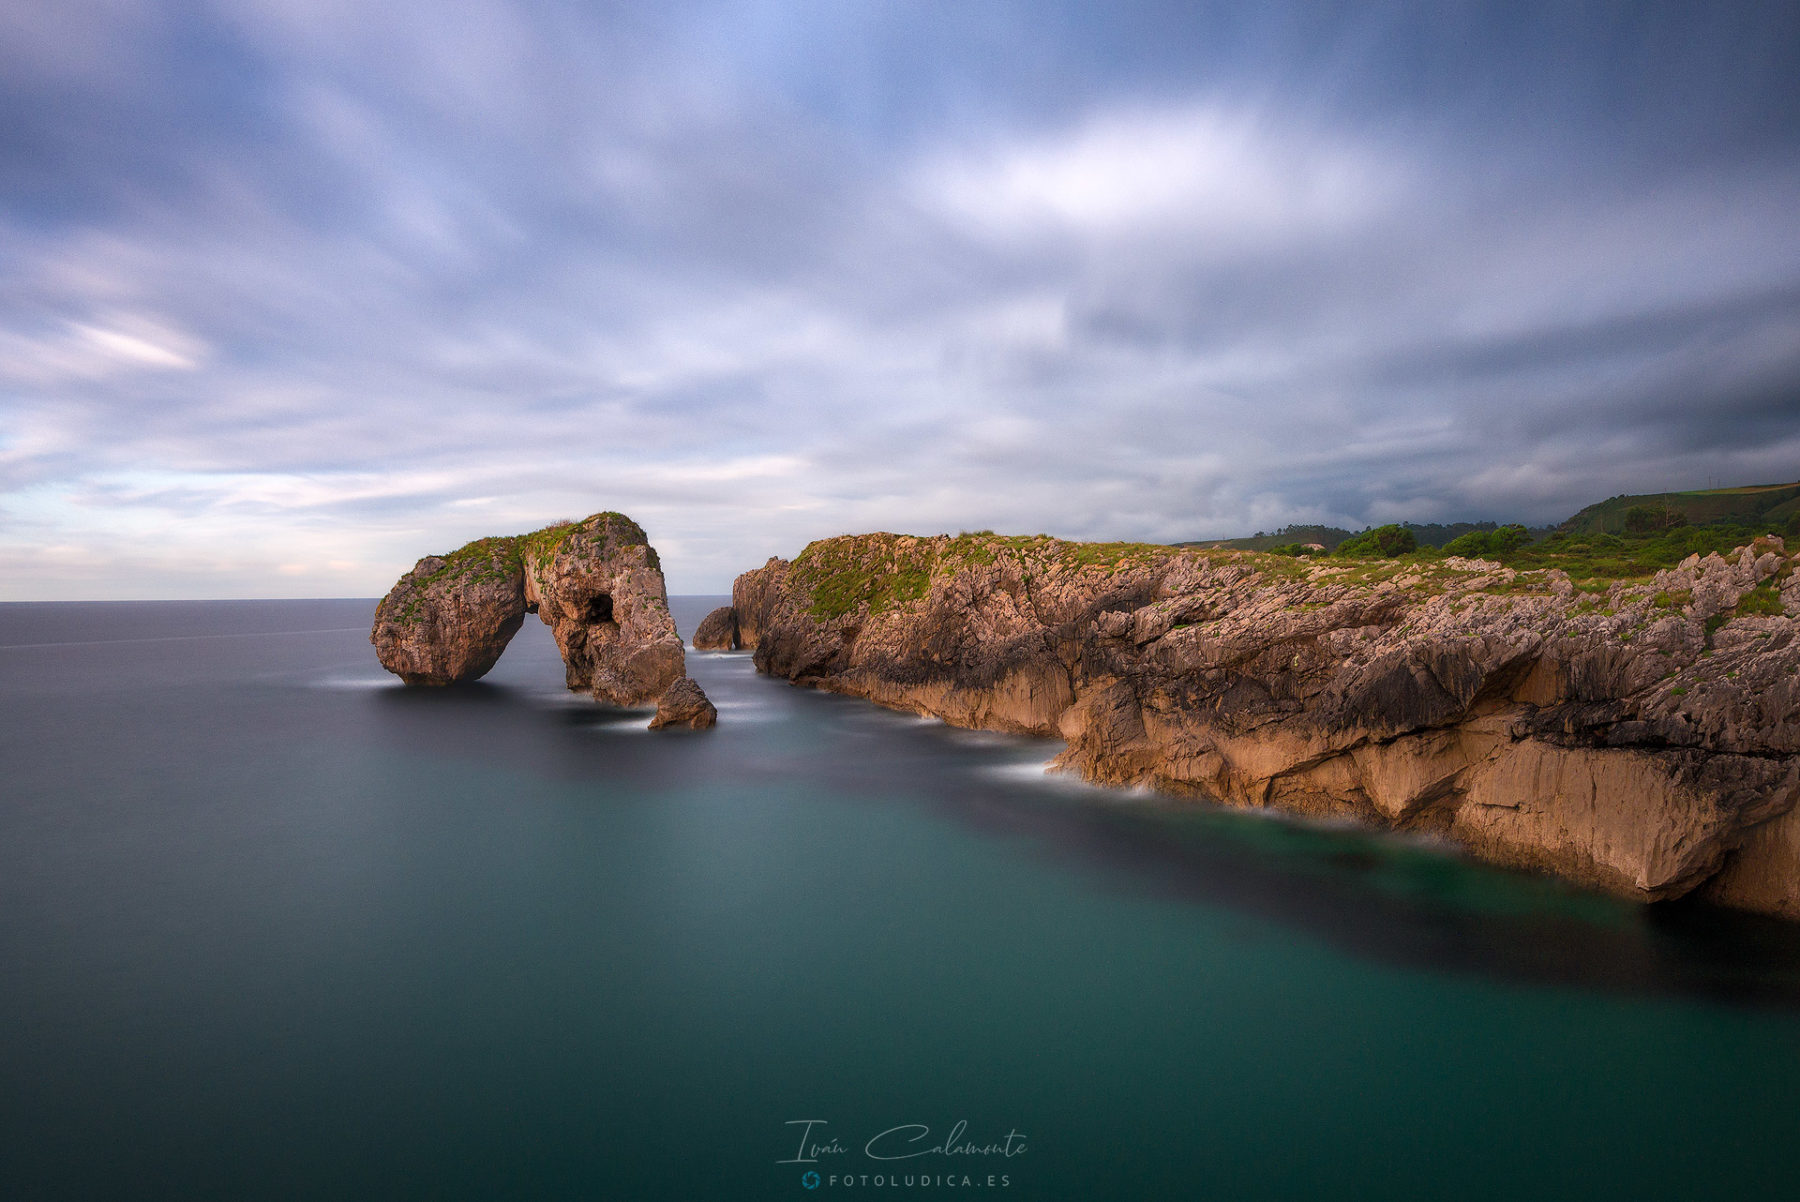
(1643, 740)
(598, 585)
(718, 631)
(755, 594)
(684, 704)
(448, 619)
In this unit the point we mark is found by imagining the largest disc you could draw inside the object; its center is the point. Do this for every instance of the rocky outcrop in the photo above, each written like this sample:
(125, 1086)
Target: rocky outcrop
(449, 618)
(1640, 737)
(718, 631)
(596, 583)
(754, 595)
(684, 704)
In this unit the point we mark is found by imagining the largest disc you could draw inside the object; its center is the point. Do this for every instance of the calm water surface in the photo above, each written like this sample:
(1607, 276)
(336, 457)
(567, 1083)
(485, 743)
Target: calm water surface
(272, 926)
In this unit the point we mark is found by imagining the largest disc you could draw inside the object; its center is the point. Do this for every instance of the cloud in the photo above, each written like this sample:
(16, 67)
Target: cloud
(1198, 171)
(297, 292)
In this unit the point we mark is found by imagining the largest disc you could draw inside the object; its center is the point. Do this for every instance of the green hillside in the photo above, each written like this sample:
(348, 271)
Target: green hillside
(1768, 506)
(1428, 534)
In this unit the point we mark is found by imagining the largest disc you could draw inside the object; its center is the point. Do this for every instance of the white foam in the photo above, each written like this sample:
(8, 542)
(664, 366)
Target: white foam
(359, 682)
(1046, 774)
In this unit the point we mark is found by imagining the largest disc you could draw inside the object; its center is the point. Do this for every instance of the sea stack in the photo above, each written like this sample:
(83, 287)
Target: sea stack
(596, 583)
(448, 619)
(718, 631)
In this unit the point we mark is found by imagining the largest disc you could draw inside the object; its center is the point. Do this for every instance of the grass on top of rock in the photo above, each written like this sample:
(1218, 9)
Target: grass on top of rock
(540, 546)
(877, 570)
(484, 561)
(1587, 558)
(1762, 600)
(882, 570)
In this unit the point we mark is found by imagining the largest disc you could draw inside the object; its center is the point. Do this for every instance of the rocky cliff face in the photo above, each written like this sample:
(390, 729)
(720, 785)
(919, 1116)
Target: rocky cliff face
(599, 586)
(449, 618)
(717, 631)
(596, 583)
(1641, 737)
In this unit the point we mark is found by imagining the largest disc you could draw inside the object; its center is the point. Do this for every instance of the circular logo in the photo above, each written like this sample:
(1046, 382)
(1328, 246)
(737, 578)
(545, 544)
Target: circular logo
(809, 1179)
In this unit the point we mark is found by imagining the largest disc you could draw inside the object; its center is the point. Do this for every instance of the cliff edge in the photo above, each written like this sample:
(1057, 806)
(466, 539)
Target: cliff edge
(1642, 736)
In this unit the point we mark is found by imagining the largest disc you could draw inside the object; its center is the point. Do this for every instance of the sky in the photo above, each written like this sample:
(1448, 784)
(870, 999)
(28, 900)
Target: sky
(293, 292)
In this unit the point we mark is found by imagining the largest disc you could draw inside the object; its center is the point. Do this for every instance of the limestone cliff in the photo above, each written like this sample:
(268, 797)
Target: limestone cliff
(1642, 737)
(596, 583)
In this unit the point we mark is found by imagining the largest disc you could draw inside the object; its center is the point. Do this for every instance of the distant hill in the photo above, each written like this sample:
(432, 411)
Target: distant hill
(1771, 505)
(1430, 534)
(1774, 507)
(1328, 536)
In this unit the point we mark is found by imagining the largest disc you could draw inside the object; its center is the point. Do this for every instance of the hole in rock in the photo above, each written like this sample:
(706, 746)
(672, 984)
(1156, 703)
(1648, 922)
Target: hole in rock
(598, 608)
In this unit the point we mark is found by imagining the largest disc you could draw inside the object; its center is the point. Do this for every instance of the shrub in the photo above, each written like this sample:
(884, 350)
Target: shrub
(1384, 542)
(1762, 599)
(1485, 544)
(1647, 519)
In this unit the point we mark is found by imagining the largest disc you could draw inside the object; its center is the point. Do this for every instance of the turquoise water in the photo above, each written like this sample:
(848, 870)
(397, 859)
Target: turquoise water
(274, 927)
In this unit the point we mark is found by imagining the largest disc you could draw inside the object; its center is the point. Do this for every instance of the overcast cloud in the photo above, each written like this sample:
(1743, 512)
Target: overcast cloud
(295, 291)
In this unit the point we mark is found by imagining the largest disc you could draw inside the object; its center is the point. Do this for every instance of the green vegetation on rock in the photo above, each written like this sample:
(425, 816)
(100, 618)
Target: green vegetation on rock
(876, 570)
(879, 571)
(484, 561)
(541, 546)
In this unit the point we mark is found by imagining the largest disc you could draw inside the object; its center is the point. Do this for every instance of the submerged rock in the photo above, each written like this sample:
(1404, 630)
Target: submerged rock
(684, 704)
(448, 619)
(718, 631)
(1644, 739)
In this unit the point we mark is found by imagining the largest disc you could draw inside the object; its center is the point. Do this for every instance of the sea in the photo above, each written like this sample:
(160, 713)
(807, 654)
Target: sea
(274, 926)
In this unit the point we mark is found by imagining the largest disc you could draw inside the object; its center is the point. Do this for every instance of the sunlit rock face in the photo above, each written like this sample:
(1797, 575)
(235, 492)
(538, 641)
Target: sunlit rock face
(1641, 737)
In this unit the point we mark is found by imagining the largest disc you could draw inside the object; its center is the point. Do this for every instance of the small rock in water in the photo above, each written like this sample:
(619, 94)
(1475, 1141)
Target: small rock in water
(718, 631)
(684, 704)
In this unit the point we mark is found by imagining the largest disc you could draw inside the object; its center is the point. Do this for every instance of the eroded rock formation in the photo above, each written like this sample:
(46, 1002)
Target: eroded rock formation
(449, 618)
(717, 631)
(685, 704)
(1643, 738)
(596, 583)
(599, 586)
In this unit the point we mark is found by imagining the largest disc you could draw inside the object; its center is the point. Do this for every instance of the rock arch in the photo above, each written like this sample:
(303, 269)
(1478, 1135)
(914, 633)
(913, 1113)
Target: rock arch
(597, 584)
